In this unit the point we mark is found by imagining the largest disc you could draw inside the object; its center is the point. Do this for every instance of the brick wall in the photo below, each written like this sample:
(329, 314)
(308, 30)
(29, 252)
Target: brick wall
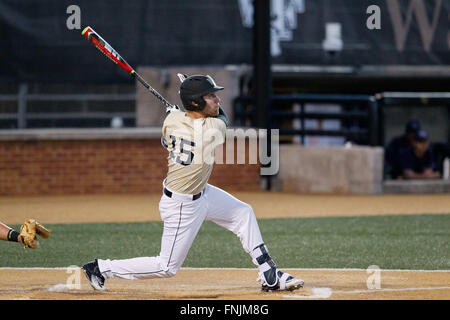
(99, 166)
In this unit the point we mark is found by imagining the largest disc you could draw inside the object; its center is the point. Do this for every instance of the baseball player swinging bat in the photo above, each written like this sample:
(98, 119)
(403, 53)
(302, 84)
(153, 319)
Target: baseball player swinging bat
(115, 57)
(188, 199)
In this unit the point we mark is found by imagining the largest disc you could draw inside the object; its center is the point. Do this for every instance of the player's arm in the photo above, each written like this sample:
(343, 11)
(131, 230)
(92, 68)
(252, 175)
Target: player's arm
(170, 117)
(431, 174)
(427, 174)
(9, 234)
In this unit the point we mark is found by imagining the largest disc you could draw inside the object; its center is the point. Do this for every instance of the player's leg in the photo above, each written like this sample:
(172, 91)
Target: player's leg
(182, 221)
(234, 215)
(238, 217)
(270, 276)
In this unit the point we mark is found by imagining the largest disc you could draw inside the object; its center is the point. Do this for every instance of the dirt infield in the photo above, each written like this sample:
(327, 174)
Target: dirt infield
(221, 283)
(225, 284)
(135, 208)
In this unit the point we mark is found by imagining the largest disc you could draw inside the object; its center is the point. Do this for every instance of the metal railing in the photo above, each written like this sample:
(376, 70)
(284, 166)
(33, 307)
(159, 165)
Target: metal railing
(22, 116)
(362, 109)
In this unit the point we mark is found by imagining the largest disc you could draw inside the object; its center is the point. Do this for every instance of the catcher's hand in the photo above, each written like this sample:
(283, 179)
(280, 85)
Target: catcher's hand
(28, 231)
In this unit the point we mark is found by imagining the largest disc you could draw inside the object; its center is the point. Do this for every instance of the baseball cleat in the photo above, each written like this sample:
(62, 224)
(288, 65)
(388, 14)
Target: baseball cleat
(94, 276)
(294, 284)
(285, 282)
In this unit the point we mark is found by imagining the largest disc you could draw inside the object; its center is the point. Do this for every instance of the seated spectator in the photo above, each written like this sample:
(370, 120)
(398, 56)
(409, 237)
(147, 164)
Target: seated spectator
(417, 161)
(396, 147)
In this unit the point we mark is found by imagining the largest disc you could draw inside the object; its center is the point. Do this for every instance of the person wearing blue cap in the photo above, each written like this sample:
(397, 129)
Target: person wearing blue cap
(397, 146)
(417, 161)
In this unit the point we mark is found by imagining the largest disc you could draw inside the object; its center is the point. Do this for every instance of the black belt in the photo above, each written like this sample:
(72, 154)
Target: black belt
(169, 194)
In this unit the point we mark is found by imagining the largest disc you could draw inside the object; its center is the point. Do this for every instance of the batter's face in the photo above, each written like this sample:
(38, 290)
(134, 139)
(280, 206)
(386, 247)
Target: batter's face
(211, 108)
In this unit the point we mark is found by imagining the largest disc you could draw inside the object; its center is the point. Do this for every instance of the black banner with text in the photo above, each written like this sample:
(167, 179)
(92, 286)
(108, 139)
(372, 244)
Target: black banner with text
(41, 39)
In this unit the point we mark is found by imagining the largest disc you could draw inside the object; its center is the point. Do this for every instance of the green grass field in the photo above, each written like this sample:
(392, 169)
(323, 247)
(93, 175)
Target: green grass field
(391, 242)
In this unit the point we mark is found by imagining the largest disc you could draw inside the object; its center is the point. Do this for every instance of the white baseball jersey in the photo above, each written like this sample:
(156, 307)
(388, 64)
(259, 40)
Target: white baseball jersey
(190, 143)
(182, 212)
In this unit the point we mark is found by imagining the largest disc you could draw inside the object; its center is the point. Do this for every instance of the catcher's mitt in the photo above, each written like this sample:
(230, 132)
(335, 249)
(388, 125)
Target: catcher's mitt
(28, 231)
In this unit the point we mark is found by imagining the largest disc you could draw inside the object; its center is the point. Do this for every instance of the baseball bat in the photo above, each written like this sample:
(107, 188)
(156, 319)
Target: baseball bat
(115, 57)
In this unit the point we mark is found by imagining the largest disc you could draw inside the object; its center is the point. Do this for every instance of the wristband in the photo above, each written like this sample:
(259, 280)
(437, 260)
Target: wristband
(13, 235)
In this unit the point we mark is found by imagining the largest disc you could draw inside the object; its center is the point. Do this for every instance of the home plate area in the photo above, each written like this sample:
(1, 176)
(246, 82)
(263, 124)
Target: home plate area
(224, 284)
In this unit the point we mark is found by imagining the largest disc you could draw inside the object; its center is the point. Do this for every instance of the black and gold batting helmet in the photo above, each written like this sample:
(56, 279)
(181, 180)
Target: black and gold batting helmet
(194, 87)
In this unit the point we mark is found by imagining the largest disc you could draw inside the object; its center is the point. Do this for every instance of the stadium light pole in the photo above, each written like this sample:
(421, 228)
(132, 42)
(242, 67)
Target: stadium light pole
(262, 77)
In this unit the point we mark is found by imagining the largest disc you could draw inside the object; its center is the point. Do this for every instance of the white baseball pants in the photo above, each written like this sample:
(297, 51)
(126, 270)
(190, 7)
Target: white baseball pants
(182, 219)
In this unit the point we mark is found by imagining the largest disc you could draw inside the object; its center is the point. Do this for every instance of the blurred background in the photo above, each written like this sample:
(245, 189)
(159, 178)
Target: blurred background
(345, 76)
